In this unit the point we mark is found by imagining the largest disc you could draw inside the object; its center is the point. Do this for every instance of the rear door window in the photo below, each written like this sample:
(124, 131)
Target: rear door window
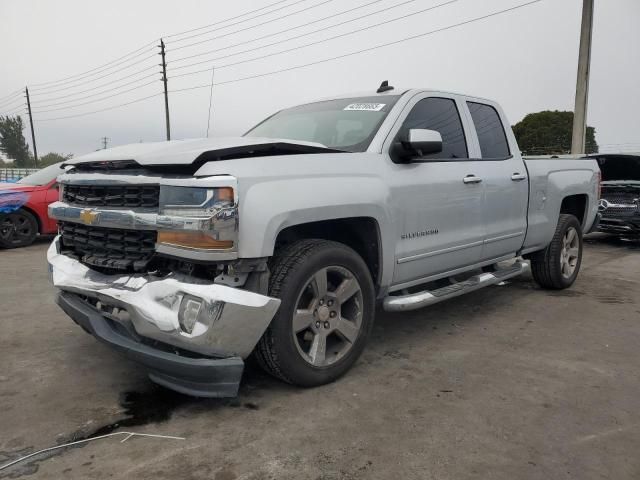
(441, 115)
(493, 140)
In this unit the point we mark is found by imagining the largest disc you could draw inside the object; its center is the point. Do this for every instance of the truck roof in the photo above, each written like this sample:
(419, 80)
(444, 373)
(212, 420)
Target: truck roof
(399, 91)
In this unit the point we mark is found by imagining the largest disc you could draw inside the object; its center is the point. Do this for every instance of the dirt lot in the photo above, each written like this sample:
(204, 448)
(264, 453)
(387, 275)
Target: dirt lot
(510, 382)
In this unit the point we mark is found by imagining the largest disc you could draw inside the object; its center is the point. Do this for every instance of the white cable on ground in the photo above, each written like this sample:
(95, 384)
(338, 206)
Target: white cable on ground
(128, 436)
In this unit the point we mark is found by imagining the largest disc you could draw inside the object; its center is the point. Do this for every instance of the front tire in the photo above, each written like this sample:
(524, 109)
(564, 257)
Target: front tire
(557, 266)
(18, 229)
(325, 316)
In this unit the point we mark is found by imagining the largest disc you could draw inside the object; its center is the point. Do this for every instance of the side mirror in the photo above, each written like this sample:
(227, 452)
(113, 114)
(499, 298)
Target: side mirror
(424, 142)
(418, 143)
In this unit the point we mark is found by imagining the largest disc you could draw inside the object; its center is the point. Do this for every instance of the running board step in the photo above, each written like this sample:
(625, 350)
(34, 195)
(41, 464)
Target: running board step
(417, 300)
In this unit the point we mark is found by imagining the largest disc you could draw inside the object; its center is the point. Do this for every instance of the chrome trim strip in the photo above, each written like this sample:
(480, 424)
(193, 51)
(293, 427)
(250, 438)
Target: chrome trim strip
(605, 204)
(438, 252)
(131, 219)
(448, 273)
(110, 218)
(197, 254)
(458, 247)
(503, 237)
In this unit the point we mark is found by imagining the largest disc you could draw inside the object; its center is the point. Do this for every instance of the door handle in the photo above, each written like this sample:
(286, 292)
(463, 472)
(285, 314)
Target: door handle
(517, 177)
(471, 179)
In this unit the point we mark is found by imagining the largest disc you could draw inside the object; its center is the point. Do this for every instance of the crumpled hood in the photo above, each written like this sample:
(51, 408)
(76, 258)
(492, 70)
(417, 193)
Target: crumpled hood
(185, 152)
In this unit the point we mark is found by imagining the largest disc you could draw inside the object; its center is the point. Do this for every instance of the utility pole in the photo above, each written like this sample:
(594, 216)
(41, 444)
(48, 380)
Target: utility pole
(105, 140)
(33, 135)
(166, 94)
(582, 83)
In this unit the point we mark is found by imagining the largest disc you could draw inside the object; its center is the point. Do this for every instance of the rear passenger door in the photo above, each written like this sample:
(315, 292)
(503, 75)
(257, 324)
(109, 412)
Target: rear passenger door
(506, 187)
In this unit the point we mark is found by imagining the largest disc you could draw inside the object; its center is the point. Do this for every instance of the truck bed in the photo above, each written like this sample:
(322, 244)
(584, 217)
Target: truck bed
(551, 180)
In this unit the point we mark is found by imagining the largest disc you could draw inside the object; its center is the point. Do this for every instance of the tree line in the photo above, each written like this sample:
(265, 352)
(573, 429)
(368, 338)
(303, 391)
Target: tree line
(14, 146)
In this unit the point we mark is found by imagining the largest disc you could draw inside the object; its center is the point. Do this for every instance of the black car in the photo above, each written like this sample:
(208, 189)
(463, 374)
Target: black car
(620, 198)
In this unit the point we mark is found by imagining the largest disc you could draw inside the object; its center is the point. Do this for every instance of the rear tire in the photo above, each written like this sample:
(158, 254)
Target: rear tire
(557, 266)
(18, 229)
(326, 314)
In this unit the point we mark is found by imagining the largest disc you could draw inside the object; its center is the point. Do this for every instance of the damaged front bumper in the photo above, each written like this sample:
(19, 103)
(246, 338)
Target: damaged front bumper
(191, 335)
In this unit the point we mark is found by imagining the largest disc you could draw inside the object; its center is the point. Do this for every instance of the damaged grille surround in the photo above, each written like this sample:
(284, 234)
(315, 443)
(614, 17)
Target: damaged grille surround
(132, 196)
(119, 222)
(109, 248)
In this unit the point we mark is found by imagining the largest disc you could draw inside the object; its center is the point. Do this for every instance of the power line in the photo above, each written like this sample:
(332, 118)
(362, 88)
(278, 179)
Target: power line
(225, 20)
(87, 81)
(294, 28)
(213, 70)
(127, 57)
(8, 103)
(236, 23)
(22, 110)
(149, 67)
(246, 28)
(13, 104)
(12, 94)
(98, 111)
(54, 84)
(317, 42)
(95, 93)
(96, 68)
(325, 60)
(97, 100)
(364, 50)
(109, 83)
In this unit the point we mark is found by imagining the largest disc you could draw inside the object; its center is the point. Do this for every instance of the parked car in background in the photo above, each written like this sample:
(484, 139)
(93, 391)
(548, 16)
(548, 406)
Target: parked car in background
(23, 207)
(620, 198)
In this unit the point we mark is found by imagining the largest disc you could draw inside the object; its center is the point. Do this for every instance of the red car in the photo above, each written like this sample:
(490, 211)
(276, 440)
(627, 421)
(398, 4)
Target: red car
(23, 207)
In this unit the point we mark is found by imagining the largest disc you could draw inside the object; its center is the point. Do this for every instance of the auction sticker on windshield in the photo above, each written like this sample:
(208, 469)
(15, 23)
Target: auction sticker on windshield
(367, 107)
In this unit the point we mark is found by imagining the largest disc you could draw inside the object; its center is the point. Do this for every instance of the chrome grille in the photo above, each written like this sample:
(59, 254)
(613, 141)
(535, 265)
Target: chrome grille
(109, 248)
(144, 196)
(621, 198)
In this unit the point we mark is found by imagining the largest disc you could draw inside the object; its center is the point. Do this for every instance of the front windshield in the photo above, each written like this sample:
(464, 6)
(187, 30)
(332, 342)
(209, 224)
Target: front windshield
(44, 176)
(347, 124)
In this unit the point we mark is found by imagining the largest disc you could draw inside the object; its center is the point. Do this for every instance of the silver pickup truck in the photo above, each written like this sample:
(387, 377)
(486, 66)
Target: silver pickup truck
(190, 256)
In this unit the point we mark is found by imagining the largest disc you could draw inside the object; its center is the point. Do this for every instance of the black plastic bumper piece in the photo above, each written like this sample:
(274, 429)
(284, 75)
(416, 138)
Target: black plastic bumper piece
(621, 226)
(596, 223)
(199, 377)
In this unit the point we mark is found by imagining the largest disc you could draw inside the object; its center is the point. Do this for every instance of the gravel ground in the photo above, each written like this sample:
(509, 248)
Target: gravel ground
(508, 382)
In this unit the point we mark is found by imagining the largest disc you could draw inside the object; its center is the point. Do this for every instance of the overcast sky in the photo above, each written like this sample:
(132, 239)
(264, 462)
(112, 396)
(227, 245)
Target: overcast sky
(525, 59)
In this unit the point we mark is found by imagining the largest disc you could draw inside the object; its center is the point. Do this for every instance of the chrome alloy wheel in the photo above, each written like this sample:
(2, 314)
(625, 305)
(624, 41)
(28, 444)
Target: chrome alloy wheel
(328, 316)
(570, 252)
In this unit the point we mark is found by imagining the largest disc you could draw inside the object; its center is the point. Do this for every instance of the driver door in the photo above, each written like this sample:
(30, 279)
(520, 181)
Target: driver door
(437, 201)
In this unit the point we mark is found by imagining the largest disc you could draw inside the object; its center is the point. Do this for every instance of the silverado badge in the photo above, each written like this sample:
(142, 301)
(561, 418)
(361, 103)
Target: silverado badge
(421, 233)
(89, 216)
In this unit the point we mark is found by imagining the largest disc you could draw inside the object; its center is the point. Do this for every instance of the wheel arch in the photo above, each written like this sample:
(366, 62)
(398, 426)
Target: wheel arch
(362, 234)
(576, 205)
(35, 215)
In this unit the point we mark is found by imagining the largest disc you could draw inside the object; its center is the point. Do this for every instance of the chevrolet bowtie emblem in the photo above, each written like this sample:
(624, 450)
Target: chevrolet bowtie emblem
(89, 216)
